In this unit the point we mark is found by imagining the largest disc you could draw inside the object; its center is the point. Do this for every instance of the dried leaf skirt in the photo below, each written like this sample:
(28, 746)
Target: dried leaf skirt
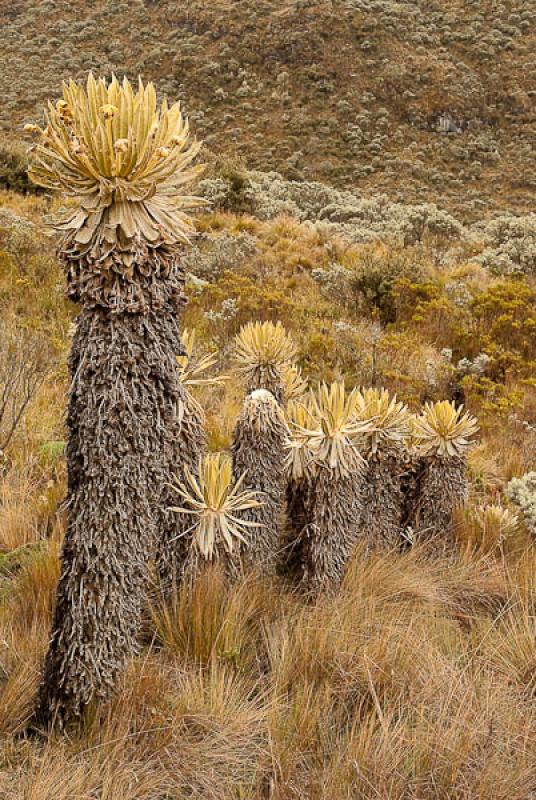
(124, 420)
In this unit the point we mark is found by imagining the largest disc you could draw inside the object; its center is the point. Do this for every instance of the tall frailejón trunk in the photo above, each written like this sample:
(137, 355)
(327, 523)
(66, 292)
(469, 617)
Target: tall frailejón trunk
(382, 519)
(325, 452)
(442, 488)
(265, 354)
(259, 454)
(174, 543)
(298, 489)
(123, 161)
(124, 421)
(385, 449)
(333, 530)
(441, 440)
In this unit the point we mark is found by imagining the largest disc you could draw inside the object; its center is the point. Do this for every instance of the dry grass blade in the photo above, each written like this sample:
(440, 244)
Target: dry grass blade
(495, 523)
(489, 530)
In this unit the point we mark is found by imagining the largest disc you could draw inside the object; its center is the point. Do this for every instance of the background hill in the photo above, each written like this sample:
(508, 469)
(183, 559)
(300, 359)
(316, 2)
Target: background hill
(345, 91)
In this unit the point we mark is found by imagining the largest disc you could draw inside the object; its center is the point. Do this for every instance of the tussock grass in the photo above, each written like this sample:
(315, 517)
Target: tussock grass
(416, 681)
(18, 524)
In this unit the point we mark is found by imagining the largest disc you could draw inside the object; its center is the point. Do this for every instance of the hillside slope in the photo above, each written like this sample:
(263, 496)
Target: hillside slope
(347, 91)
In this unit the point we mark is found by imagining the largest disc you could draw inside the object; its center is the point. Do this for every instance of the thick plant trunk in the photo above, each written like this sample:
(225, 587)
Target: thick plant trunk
(383, 502)
(175, 539)
(442, 487)
(124, 419)
(259, 452)
(296, 517)
(333, 529)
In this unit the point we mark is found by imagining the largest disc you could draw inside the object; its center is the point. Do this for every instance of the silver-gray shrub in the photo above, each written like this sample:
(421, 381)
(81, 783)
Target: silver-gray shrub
(212, 254)
(510, 244)
(358, 219)
(522, 492)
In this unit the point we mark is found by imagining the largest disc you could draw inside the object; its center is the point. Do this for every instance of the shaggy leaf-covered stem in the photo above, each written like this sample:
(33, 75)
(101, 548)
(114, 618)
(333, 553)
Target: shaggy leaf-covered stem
(124, 161)
(259, 453)
(442, 435)
(442, 487)
(324, 451)
(334, 523)
(385, 449)
(383, 501)
(124, 419)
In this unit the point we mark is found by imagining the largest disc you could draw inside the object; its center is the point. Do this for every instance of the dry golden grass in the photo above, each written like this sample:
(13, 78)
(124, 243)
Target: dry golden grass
(18, 524)
(418, 681)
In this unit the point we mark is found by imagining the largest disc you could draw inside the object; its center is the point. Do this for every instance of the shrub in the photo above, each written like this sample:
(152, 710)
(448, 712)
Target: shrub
(522, 492)
(510, 245)
(23, 363)
(212, 254)
(375, 274)
(14, 167)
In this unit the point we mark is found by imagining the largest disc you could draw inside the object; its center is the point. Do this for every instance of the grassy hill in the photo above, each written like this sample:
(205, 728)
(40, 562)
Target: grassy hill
(345, 91)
